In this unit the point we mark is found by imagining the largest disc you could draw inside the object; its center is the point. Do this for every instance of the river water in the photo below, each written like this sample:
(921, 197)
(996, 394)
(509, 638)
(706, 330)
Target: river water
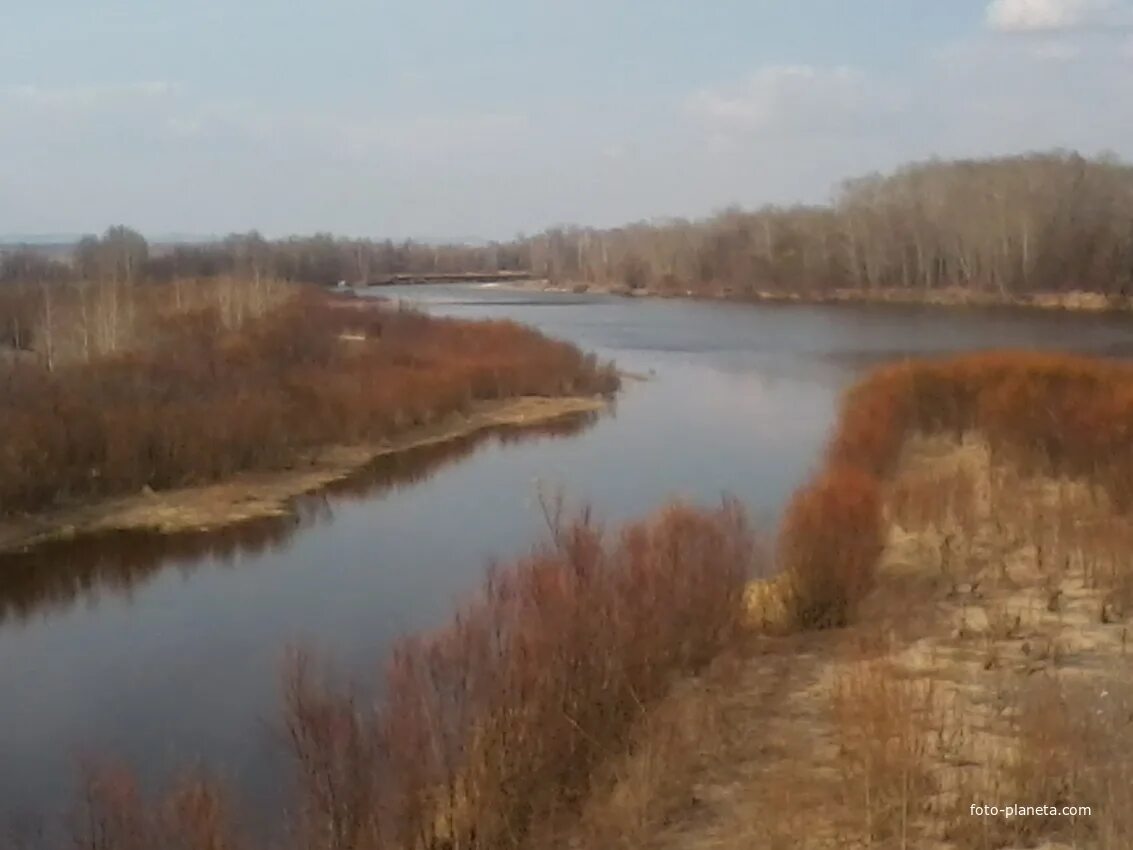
(164, 652)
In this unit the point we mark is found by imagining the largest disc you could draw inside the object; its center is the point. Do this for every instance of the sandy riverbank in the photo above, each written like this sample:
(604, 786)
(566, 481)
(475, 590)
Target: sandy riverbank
(265, 494)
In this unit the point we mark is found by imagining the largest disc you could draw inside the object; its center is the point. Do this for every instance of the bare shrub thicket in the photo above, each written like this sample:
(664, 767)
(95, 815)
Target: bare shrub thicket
(830, 541)
(1047, 413)
(492, 730)
(223, 384)
(494, 727)
(115, 814)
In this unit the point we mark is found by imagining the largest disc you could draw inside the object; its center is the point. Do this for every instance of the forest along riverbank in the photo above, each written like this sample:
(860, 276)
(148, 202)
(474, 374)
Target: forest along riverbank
(1072, 301)
(1050, 233)
(188, 421)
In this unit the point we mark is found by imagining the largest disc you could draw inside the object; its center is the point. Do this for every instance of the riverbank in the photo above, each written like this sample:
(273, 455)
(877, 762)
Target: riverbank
(199, 401)
(1074, 300)
(949, 632)
(258, 495)
(988, 666)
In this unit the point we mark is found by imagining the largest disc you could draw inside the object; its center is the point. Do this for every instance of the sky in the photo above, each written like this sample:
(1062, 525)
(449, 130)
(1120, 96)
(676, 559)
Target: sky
(458, 119)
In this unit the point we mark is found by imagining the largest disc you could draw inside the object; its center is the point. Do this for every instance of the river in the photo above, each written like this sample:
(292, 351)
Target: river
(165, 652)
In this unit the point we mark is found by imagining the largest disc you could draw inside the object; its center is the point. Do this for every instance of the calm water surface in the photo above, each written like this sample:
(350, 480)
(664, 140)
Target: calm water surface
(165, 652)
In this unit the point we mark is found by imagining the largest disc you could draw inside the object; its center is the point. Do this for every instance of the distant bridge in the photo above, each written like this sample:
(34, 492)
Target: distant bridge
(449, 277)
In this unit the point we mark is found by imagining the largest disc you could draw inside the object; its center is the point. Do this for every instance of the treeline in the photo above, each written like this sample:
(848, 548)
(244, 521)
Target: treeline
(55, 324)
(86, 300)
(206, 397)
(1006, 227)
(124, 255)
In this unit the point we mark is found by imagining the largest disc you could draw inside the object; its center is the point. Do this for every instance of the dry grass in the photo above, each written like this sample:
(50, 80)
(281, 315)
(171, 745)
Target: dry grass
(883, 721)
(654, 784)
(1016, 655)
(985, 667)
(1045, 414)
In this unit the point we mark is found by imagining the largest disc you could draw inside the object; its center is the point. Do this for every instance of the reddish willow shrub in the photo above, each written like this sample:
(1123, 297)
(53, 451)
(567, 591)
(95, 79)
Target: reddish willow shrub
(489, 730)
(1056, 413)
(202, 402)
(1063, 413)
(495, 725)
(830, 541)
(113, 816)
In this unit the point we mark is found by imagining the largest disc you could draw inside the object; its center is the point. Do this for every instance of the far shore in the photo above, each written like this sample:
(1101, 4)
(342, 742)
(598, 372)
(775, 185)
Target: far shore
(1072, 301)
(259, 495)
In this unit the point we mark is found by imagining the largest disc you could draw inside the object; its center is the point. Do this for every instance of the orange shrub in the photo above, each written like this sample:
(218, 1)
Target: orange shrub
(874, 418)
(493, 726)
(114, 815)
(1058, 413)
(485, 733)
(1063, 413)
(829, 544)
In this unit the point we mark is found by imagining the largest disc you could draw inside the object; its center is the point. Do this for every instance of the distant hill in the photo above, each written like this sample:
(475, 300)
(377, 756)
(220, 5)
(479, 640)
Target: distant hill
(67, 240)
(64, 241)
(39, 240)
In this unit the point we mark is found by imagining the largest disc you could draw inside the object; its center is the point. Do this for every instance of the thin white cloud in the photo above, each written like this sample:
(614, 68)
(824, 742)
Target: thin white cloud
(85, 96)
(418, 134)
(780, 134)
(354, 138)
(1055, 51)
(1036, 16)
(184, 127)
(990, 94)
(775, 94)
(984, 95)
(790, 99)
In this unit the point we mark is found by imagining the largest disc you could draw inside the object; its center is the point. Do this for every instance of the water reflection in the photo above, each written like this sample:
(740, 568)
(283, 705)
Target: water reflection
(55, 575)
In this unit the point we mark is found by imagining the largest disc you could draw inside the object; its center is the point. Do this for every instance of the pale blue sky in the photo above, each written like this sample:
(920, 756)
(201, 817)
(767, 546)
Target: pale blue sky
(444, 118)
